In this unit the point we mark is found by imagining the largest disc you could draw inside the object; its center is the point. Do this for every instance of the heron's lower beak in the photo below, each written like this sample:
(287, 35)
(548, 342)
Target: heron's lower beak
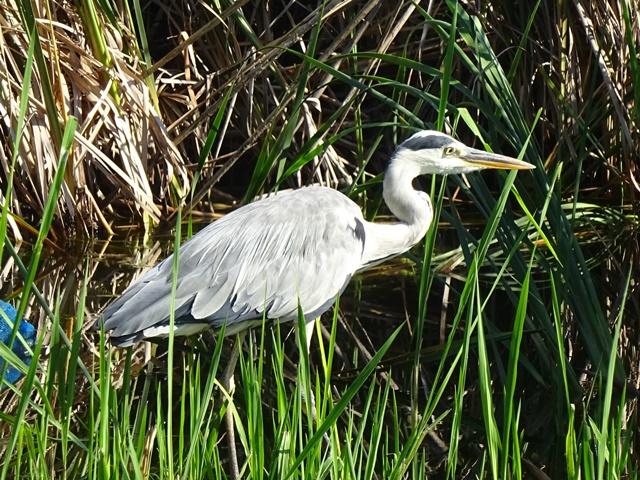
(481, 159)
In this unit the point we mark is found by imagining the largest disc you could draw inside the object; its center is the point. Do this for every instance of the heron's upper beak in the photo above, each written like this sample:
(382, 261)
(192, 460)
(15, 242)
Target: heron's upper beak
(482, 159)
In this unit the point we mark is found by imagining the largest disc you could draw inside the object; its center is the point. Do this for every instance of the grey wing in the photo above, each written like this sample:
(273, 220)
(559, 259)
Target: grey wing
(263, 259)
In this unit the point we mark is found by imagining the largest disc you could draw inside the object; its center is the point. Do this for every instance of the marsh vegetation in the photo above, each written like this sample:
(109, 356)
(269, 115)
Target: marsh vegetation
(503, 346)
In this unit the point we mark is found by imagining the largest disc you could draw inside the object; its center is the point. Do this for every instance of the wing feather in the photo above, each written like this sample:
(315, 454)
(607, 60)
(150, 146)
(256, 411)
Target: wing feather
(262, 259)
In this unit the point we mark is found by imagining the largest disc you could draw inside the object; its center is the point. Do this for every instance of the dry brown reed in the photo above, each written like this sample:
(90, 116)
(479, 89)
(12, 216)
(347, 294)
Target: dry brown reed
(146, 85)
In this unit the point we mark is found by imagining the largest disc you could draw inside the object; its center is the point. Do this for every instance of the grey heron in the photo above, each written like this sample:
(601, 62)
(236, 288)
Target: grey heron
(298, 248)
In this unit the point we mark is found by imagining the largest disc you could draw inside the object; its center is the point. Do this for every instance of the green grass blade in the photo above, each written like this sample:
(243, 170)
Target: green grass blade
(340, 406)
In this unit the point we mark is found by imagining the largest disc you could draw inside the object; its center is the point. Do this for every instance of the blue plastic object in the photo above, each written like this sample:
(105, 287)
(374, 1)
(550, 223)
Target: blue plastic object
(25, 329)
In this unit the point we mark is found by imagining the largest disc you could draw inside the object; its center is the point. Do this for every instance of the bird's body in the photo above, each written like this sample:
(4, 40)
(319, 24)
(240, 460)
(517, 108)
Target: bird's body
(299, 248)
(265, 263)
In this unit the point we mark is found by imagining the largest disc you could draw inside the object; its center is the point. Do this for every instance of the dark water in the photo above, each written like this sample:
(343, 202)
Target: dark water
(374, 305)
(378, 300)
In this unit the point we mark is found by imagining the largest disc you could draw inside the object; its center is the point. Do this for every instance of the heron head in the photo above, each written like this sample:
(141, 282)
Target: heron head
(435, 152)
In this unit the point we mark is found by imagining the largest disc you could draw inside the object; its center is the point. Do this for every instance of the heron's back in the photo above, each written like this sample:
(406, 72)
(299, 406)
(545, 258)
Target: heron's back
(264, 259)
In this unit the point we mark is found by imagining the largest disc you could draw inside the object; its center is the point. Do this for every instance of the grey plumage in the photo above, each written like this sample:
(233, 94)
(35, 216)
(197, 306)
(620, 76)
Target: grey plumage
(265, 262)
(296, 248)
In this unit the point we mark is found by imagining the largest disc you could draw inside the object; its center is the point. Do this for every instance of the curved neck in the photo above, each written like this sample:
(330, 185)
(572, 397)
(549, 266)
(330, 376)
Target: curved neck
(411, 207)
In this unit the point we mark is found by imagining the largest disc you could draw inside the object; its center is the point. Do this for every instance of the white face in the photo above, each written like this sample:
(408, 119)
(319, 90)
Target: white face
(435, 152)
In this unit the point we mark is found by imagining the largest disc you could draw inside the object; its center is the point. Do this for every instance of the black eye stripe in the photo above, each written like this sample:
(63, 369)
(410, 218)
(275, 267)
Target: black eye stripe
(428, 142)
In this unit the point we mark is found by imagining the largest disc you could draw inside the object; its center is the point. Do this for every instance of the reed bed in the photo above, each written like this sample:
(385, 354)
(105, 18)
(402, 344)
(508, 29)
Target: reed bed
(519, 353)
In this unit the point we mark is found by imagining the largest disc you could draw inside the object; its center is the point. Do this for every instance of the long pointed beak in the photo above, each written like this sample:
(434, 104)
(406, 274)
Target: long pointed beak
(481, 159)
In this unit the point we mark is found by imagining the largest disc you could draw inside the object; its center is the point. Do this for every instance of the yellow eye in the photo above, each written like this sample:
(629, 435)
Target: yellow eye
(449, 151)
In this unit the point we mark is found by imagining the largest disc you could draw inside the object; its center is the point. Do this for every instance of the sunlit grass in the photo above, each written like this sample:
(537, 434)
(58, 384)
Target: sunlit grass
(123, 427)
